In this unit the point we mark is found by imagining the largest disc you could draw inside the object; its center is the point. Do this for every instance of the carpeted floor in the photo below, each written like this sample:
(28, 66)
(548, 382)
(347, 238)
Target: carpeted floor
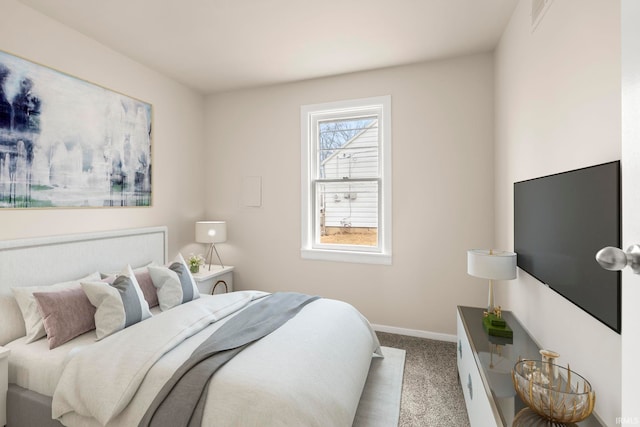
(431, 393)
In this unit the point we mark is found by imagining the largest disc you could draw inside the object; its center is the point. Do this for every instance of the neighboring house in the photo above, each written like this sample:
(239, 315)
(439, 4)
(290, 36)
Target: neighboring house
(351, 204)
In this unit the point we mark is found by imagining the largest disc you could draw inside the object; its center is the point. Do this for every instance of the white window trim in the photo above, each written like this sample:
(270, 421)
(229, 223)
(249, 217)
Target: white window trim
(382, 255)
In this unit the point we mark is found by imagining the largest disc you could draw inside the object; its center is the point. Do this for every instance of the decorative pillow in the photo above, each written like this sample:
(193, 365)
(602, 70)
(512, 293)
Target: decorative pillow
(146, 285)
(66, 314)
(118, 305)
(174, 284)
(29, 307)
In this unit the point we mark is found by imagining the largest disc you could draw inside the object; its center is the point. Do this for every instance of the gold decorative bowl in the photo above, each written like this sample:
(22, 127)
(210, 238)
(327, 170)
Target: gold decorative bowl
(552, 391)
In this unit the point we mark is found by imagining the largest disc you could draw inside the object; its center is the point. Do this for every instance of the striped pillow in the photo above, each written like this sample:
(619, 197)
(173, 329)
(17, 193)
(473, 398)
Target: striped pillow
(118, 305)
(144, 280)
(174, 284)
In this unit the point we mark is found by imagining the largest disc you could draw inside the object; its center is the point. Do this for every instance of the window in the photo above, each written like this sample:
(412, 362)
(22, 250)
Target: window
(346, 181)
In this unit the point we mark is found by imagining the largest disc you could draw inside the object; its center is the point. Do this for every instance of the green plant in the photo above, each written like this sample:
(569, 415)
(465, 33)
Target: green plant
(195, 261)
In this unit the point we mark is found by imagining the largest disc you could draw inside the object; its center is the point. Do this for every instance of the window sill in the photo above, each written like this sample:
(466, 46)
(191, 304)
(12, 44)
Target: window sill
(346, 256)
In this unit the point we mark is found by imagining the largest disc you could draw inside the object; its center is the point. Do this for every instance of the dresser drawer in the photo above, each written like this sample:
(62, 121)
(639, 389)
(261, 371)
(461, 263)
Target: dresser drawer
(216, 280)
(475, 395)
(219, 284)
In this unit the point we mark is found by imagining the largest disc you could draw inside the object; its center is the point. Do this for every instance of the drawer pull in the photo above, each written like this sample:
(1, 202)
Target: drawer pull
(460, 348)
(226, 289)
(470, 387)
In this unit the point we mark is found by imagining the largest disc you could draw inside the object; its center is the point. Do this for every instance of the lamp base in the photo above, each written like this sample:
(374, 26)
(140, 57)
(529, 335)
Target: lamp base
(210, 256)
(490, 302)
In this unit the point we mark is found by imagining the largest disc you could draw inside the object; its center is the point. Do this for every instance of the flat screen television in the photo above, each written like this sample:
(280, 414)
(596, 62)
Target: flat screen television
(560, 222)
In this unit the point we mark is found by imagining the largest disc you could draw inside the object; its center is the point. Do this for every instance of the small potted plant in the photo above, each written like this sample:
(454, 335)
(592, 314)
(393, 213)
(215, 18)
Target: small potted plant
(195, 261)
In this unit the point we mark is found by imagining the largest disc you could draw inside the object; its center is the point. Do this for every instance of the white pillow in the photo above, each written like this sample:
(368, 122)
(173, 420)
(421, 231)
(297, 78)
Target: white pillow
(118, 305)
(29, 307)
(175, 284)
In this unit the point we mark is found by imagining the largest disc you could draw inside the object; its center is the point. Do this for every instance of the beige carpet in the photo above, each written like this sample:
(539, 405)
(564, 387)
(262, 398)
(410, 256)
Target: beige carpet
(380, 401)
(431, 393)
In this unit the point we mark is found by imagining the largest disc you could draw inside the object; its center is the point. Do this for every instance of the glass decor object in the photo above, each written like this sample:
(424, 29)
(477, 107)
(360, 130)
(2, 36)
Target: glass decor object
(565, 398)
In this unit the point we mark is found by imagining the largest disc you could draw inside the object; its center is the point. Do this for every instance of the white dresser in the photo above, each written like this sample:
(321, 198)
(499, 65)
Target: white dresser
(484, 369)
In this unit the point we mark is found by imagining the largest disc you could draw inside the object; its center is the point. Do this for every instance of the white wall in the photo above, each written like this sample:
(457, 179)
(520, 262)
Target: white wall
(442, 121)
(178, 131)
(557, 108)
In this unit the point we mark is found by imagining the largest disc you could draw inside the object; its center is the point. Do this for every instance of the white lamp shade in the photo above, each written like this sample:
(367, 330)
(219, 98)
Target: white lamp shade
(211, 231)
(493, 265)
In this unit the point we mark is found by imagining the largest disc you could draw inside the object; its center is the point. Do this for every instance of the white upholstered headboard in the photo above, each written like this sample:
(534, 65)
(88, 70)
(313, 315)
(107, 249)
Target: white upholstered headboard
(48, 260)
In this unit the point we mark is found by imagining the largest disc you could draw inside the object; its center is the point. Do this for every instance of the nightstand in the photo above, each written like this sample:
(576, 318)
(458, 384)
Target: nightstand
(4, 383)
(219, 279)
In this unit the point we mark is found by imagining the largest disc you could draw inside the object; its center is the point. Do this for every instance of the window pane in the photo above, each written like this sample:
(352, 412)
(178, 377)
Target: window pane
(348, 148)
(347, 213)
(346, 181)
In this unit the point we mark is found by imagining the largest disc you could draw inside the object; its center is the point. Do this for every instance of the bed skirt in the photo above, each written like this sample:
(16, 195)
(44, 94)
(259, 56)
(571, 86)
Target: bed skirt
(26, 407)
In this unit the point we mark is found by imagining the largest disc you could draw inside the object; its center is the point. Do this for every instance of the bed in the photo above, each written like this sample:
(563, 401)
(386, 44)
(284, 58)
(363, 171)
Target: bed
(309, 371)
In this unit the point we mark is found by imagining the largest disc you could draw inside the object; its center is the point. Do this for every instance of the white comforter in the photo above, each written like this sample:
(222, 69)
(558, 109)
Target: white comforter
(309, 372)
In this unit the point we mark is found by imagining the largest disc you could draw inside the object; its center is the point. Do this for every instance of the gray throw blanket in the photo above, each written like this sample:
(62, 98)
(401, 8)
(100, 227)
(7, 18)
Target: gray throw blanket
(181, 400)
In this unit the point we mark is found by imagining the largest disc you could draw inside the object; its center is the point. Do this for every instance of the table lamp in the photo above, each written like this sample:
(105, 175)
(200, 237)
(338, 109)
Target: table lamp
(211, 232)
(493, 265)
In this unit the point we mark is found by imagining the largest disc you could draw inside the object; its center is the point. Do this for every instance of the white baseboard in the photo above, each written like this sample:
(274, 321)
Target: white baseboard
(415, 333)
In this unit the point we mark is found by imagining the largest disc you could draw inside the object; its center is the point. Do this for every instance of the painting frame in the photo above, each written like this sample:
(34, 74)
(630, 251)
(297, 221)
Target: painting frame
(66, 142)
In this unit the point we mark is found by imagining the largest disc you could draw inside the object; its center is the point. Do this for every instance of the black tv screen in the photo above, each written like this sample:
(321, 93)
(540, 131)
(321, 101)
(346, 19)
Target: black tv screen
(560, 222)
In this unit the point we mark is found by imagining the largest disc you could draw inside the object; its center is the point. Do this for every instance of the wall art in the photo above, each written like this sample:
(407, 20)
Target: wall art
(65, 142)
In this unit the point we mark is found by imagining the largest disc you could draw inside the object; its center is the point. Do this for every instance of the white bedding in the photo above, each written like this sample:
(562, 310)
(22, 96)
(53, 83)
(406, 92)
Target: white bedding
(309, 372)
(34, 367)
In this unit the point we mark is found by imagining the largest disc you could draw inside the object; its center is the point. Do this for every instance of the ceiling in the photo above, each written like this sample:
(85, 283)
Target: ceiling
(221, 45)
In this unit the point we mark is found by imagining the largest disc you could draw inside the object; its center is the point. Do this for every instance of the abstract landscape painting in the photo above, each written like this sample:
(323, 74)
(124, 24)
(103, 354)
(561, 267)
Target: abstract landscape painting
(65, 142)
